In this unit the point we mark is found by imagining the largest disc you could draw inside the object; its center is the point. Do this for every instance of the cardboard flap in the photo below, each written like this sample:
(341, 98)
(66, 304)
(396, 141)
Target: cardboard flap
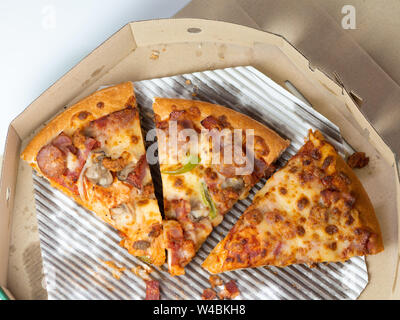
(7, 192)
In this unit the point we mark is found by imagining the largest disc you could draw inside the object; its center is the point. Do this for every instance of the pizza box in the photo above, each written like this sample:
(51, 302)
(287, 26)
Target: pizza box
(150, 49)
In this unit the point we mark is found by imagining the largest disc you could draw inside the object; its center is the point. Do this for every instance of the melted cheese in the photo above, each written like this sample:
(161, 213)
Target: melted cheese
(190, 189)
(72, 162)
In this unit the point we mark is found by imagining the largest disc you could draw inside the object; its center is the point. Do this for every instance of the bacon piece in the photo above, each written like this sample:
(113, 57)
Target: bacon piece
(64, 143)
(185, 124)
(208, 294)
(211, 123)
(51, 161)
(182, 118)
(232, 288)
(234, 161)
(180, 250)
(215, 281)
(260, 146)
(174, 230)
(228, 171)
(182, 209)
(152, 290)
(230, 291)
(135, 178)
(358, 160)
(89, 145)
(162, 125)
(176, 114)
(260, 167)
(365, 241)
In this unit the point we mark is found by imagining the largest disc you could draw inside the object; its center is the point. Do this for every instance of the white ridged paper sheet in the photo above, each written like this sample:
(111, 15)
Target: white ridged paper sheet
(75, 243)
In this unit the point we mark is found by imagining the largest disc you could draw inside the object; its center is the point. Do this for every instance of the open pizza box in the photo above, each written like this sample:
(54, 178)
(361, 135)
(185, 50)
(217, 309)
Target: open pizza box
(184, 46)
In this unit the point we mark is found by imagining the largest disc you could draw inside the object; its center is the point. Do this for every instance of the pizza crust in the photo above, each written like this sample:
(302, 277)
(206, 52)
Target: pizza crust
(215, 261)
(112, 98)
(364, 205)
(164, 106)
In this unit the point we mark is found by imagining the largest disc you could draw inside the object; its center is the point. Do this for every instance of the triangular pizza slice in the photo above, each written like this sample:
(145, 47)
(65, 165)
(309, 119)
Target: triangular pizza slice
(94, 153)
(210, 157)
(312, 210)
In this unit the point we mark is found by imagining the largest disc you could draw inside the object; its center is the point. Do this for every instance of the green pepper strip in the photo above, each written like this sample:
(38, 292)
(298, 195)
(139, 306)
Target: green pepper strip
(208, 201)
(191, 162)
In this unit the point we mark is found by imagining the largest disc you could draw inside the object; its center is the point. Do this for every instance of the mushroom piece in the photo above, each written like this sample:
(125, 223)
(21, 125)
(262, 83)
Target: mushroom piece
(99, 175)
(236, 183)
(198, 210)
(198, 214)
(98, 155)
(123, 214)
(141, 245)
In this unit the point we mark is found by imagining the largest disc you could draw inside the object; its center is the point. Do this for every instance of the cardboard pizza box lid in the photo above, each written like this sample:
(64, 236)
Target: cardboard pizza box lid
(183, 46)
(315, 29)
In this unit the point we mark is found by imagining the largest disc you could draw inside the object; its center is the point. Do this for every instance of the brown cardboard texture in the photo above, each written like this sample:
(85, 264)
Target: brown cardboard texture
(183, 46)
(314, 27)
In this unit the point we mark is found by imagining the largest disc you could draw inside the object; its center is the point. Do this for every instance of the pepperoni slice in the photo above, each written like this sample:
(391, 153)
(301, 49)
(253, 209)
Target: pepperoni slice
(152, 290)
(51, 161)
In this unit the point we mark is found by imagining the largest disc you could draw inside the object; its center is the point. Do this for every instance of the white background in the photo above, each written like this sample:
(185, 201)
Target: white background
(40, 40)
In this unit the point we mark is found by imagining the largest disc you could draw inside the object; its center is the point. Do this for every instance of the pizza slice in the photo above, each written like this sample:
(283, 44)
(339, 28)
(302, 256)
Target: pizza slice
(312, 210)
(210, 157)
(94, 153)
